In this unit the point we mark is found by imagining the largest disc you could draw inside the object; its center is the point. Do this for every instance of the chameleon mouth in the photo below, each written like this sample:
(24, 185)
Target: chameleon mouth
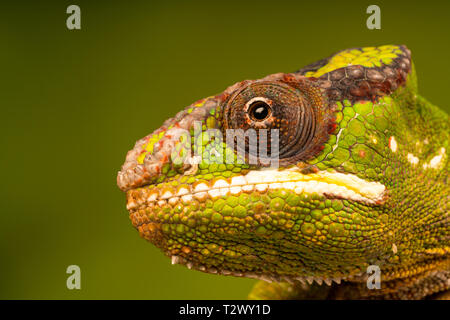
(329, 184)
(147, 203)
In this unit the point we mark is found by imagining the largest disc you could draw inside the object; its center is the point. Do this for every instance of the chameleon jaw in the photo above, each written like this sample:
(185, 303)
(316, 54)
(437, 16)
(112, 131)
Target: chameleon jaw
(260, 276)
(330, 184)
(145, 203)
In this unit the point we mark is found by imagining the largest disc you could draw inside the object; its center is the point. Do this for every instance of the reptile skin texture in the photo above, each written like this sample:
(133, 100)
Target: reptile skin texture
(361, 180)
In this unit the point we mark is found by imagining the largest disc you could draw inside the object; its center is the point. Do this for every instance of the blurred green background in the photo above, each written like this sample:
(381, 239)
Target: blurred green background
(74, 102)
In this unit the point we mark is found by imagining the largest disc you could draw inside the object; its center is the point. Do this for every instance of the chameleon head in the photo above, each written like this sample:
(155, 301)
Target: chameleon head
(287, 177)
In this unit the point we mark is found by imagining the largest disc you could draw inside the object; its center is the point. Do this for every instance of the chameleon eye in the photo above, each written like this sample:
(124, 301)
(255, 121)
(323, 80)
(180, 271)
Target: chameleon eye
(274, 105)
(259, 109)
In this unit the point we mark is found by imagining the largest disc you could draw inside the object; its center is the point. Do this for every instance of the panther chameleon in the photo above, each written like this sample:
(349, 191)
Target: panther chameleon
(361, 180)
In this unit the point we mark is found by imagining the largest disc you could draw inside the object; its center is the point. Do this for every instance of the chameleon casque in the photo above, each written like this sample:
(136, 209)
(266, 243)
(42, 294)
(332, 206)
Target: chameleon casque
(362, 180)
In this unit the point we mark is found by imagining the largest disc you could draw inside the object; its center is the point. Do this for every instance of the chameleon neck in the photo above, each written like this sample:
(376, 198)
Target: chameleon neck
(429, 285)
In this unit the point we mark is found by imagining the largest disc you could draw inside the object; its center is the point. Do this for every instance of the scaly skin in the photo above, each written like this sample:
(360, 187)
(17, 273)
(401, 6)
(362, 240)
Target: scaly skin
(362, 180)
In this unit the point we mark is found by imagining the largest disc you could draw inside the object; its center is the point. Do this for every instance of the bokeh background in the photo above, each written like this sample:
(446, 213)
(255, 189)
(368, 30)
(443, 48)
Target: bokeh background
(74, 102)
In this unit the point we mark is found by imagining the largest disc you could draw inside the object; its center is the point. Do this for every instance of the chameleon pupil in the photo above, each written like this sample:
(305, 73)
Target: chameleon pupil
(259, 110)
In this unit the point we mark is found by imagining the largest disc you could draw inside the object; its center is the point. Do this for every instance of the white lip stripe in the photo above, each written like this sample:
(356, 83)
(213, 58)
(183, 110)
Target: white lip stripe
(332, 184)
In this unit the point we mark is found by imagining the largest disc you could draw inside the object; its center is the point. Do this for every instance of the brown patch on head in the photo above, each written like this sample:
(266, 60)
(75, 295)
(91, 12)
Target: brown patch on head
(356, 82)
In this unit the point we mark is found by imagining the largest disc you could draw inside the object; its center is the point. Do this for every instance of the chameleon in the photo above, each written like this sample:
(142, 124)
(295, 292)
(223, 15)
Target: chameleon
(358, 182)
